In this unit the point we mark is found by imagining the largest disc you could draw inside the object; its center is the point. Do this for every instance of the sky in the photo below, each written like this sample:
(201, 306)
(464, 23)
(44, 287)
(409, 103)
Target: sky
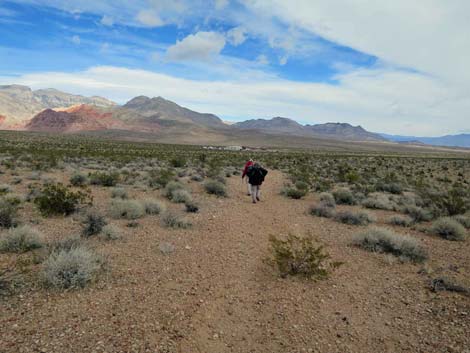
(397, 67)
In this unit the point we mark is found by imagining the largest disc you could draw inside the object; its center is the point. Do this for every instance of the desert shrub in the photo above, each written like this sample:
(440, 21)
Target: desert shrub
(104, 178)
(448, 228)
(4, 189)
(393, 188)
(71, 269)
(172, 220)
(463, 220)
(293, 192)
(403, 221)
(385, 241)
(8, 214)
(21, 239)
(78, 179)
(344, 197)
(418, 214)
(160, 178)
(191, 206)
(171, 187)
(354, 218)
(110, 232)
(178, 162)
(180, 196)
(302, 185)
(197, 178)
(57, 199)
(378, 201)
(93, 224)
(215, 188)
(300, 256)
(327, 199)
(64, 244)
(119, 193)
(322, 210)
(153, 206)
(127, 209)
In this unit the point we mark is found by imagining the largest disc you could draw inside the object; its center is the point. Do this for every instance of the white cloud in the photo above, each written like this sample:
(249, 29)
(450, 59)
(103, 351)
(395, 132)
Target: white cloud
(283, 60)
(76, 40)
(107, 20)
(149, 18)
(262, 59)
(236, 36)
(375, 99)
(201, 46)
(220, 4)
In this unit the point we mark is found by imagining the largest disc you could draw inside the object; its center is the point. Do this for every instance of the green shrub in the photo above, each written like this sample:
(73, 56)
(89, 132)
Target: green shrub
(463, 220)
(180, 196)
(178, 162)
(104, 178)
(171, 187)
(93, 224)
(8, 214)
(191, 206)
(344, 197)
(197, 178)
(4, 189)
(119, 193)
(21, 239)
(64, 244)
(215, 188)
(354, 218)
(403, 221)
(378, 201)
(78, 179)
(126, 209)
(300, 256)
(302, 185)
(57, 199)
(418, 214)
(294, 193)
(160, 178)
(71, 269)
(153, 206)
(386, 241)
(172, 220)
(322, 210)
(327, 199)
(448, 228)
(110, 232)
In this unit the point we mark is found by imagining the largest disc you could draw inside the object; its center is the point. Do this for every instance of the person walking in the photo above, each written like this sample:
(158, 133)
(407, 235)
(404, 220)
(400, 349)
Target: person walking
(256, 174)
(248, 164)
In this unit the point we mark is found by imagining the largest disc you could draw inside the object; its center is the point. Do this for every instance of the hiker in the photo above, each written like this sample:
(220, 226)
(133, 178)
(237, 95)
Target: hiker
(248, 164)
(256, 174)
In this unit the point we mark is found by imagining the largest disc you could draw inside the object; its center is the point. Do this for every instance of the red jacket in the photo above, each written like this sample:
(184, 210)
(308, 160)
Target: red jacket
(247, 165)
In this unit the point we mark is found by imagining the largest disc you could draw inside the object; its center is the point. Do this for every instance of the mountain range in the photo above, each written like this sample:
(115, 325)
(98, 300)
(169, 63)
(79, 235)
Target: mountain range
(50, 110)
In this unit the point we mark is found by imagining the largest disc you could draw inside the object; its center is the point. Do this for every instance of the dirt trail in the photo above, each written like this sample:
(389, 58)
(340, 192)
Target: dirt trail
(215, 294)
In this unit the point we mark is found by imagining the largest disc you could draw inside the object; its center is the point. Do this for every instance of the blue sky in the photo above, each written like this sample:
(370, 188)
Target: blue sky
(391, 68)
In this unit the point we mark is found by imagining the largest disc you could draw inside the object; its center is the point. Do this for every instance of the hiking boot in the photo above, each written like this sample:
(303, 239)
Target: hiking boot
(249, 194)
(258, 198)
(254, 201)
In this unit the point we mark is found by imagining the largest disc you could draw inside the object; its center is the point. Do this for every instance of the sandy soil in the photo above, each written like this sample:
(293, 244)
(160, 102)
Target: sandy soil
(215, 294)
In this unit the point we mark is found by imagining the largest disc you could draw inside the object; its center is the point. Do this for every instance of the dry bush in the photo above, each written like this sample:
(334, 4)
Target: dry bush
(180, 196)
(344, 197)
(378, 201)
(300, 256)
(191, 206)
(354, 218)
(322, 210)
(8, 214)
(463, 220)
(403, 221)
(327, 199)
(78, 179)
(172, 220)
(215, 187)
(385, 241)
(418, 214)
(449, 229)
(110, 232)
(294, 193)
(153, 206)
(21, 239)
(71, 269)
(119, 193)
(93, 224)
(126, 209)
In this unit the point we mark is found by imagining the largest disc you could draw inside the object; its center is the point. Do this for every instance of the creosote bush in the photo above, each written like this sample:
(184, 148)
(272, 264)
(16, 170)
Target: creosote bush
(126, 209)
(300, 256)
(294, 193)
(172, 220)
(354, 218)
(57, 199)
(104, 178)
(385, 241)
(73, 268)
(448, 228)
(21, 239)
(215, 188)
(344, 197)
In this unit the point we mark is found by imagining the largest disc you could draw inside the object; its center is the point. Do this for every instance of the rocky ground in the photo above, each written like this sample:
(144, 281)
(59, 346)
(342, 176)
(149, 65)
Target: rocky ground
(209, 290)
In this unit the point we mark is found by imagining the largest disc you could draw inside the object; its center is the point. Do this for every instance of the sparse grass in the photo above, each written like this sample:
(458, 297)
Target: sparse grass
(126, 209)
(449, 229)
(215, 188)
(172, 220)
(354, 218)
(21, 239)
(385, 241)
(71, 269)
(300, 256)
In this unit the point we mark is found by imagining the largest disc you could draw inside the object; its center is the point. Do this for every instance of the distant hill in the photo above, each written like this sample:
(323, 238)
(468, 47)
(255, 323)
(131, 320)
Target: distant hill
(461, 140)
(18, 104)
(329, 130)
